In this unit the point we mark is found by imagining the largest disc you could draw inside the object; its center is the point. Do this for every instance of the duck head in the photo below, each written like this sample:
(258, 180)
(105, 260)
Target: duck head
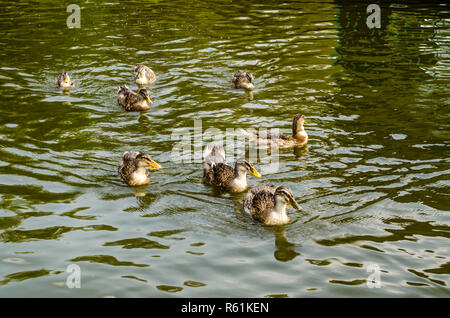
(284, 195)
(143, 93)
(144, 160)
(243, 165)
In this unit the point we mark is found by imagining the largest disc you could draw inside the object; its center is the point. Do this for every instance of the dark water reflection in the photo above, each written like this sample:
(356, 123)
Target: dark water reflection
(373, 182)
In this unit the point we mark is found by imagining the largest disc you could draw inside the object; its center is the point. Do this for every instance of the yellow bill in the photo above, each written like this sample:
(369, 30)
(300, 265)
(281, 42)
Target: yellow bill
(154, 164)
(255, 173)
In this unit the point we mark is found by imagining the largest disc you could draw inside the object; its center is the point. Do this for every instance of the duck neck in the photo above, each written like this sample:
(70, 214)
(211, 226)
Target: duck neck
(142, 101)
(240, 177)
(279, 209)
(140, 169)
(299, 132)
(298, 129)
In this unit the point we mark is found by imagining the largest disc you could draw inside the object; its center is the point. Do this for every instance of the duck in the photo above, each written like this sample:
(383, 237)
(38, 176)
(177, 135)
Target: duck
(267, 204)
(131, 101)
(64, 80)
(299, 136)
(143, 75)
(223, 176)
(243, 79)
(133, 167)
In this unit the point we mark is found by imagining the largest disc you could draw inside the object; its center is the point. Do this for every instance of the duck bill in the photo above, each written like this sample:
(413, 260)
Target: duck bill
(66, 79)
(254, 172)
(294, 204)
(305, 122)
(154, 164)
(148, 100)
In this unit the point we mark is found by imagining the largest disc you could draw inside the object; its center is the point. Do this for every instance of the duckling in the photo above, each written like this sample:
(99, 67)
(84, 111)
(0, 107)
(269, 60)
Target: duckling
(133, 167)
(243, 79)
(143, 75)
(64, 81)
(132, 101)
(299, 136)
(267, 204)
(219, 174)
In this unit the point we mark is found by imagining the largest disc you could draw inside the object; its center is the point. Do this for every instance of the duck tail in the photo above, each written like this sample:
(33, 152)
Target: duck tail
(213, 154)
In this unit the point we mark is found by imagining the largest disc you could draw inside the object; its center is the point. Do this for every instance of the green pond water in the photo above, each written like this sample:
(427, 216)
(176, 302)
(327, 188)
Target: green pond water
(373, 182)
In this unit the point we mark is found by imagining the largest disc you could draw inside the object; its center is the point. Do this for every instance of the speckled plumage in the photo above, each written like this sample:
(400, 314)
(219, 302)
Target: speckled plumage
(223, 176)
(133, 167)
(143, 75)
(243, 79)
(261, 203)
(299, 136)
(64, 80)
(220, 175)
(259, 199)
(131, 101)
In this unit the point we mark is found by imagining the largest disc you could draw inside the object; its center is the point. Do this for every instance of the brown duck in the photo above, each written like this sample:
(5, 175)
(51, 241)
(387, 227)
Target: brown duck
(243, 79)
(267, 204)
(64, 80)
(131, 101)
(143, 75)
(133, 167)
(299, 136)
(223, 176)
